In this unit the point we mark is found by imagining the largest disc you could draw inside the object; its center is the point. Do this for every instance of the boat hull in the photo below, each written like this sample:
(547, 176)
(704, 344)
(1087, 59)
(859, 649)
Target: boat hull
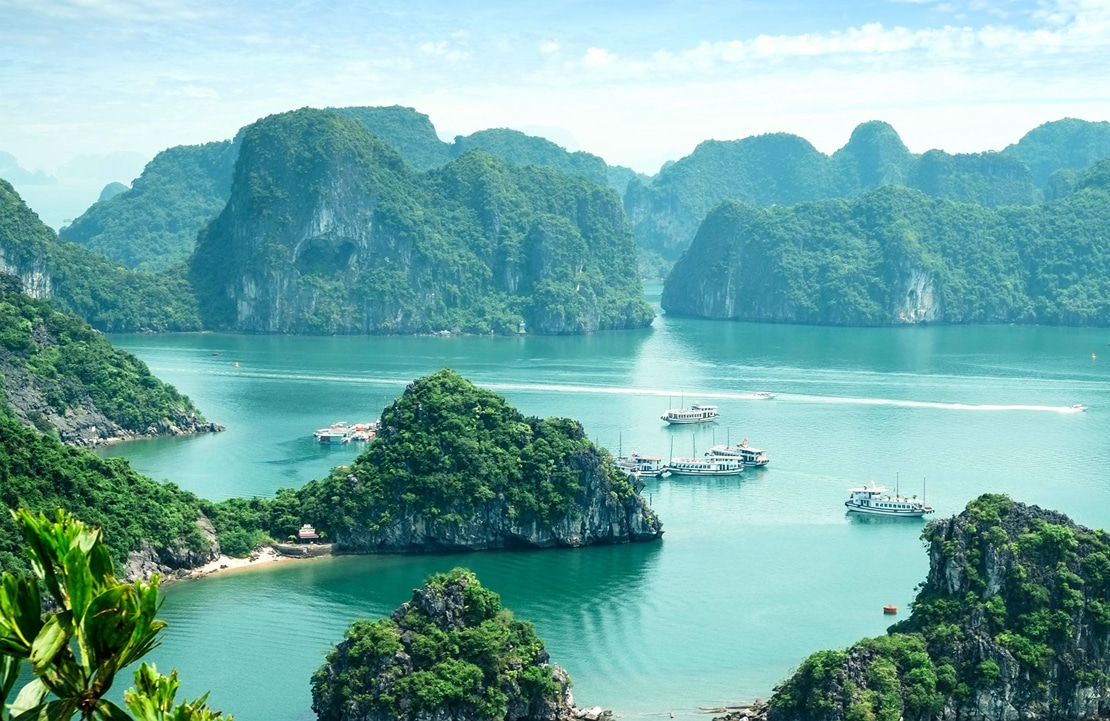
(685, 421)
(729, 472)
(888, 512)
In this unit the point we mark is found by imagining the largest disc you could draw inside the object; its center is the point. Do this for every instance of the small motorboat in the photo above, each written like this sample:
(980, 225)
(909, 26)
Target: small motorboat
(764, 395)
(1079, 407)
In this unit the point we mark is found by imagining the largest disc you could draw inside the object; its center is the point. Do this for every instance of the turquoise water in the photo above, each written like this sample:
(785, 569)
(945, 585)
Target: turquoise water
(753, 573)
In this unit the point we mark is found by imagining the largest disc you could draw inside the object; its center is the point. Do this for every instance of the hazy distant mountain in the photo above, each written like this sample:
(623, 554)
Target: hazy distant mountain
(154, 224)
(73, 186)
(11, 171)
(896, 255)
(329, 230)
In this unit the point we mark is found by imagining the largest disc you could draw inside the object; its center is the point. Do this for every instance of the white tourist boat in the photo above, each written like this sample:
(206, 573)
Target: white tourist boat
(644, 465)
(705, 466)
(696, 413)
(876, 501)
(750, 456)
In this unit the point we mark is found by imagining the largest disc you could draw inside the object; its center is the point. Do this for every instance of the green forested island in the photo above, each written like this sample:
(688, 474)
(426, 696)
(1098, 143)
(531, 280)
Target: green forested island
(896, 255)
(784, 169)
(1011, 623)
(328, 230)
(451, 651)
(154, 225)
(455, 467)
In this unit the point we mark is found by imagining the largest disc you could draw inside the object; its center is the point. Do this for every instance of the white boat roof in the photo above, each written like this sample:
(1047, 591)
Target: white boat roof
(869, 489)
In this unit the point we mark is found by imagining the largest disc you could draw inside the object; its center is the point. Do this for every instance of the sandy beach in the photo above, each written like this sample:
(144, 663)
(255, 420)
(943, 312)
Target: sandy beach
(261, 557)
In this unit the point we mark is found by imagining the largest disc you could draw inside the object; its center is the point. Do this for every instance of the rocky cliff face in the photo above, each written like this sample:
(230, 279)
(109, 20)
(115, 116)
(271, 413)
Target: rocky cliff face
(1011, 624)
(328, 231)
(893, 256)
(81, 422)
(174, 560)
(598, 518)
(32, 272)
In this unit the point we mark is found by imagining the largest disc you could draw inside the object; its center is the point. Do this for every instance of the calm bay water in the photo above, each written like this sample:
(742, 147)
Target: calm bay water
(753, 573)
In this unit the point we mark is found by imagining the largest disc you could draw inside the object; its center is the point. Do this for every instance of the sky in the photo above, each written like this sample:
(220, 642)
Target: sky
(637, 82)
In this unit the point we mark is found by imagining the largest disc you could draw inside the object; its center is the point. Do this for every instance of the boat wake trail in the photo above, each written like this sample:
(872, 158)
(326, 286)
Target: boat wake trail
(937, 405)
(667, 393)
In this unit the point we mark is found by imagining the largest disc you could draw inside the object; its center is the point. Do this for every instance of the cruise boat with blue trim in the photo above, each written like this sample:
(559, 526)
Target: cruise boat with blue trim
(696, 413)
(876, 501)
(705, 466)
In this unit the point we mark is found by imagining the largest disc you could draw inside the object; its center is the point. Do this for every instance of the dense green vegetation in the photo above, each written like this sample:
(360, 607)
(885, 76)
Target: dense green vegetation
(93, 628)
(70, 364)
(782, 169)
(478, 246)
(37, 472)
(153, 225)
(517, 148)
(111, 190)
(409, 132)
(464, 655)
(109, 297)
(1014, 613)
(446, 449)
(1067, 144)
(896, 255)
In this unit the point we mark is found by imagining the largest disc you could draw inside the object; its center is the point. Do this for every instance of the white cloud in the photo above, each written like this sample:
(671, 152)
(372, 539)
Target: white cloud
(598, 58)
(548, 47)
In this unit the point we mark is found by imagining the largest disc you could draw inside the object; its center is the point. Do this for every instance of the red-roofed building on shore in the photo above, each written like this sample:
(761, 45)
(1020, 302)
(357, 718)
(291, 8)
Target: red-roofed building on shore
(307, 534)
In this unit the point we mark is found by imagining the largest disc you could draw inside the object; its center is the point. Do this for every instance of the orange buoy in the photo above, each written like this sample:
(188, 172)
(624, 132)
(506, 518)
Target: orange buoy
(890, 608)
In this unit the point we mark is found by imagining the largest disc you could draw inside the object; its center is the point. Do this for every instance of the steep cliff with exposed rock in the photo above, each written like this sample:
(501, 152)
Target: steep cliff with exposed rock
(897, 256)
(455, 468)
(329, 231)
(1011, 624)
